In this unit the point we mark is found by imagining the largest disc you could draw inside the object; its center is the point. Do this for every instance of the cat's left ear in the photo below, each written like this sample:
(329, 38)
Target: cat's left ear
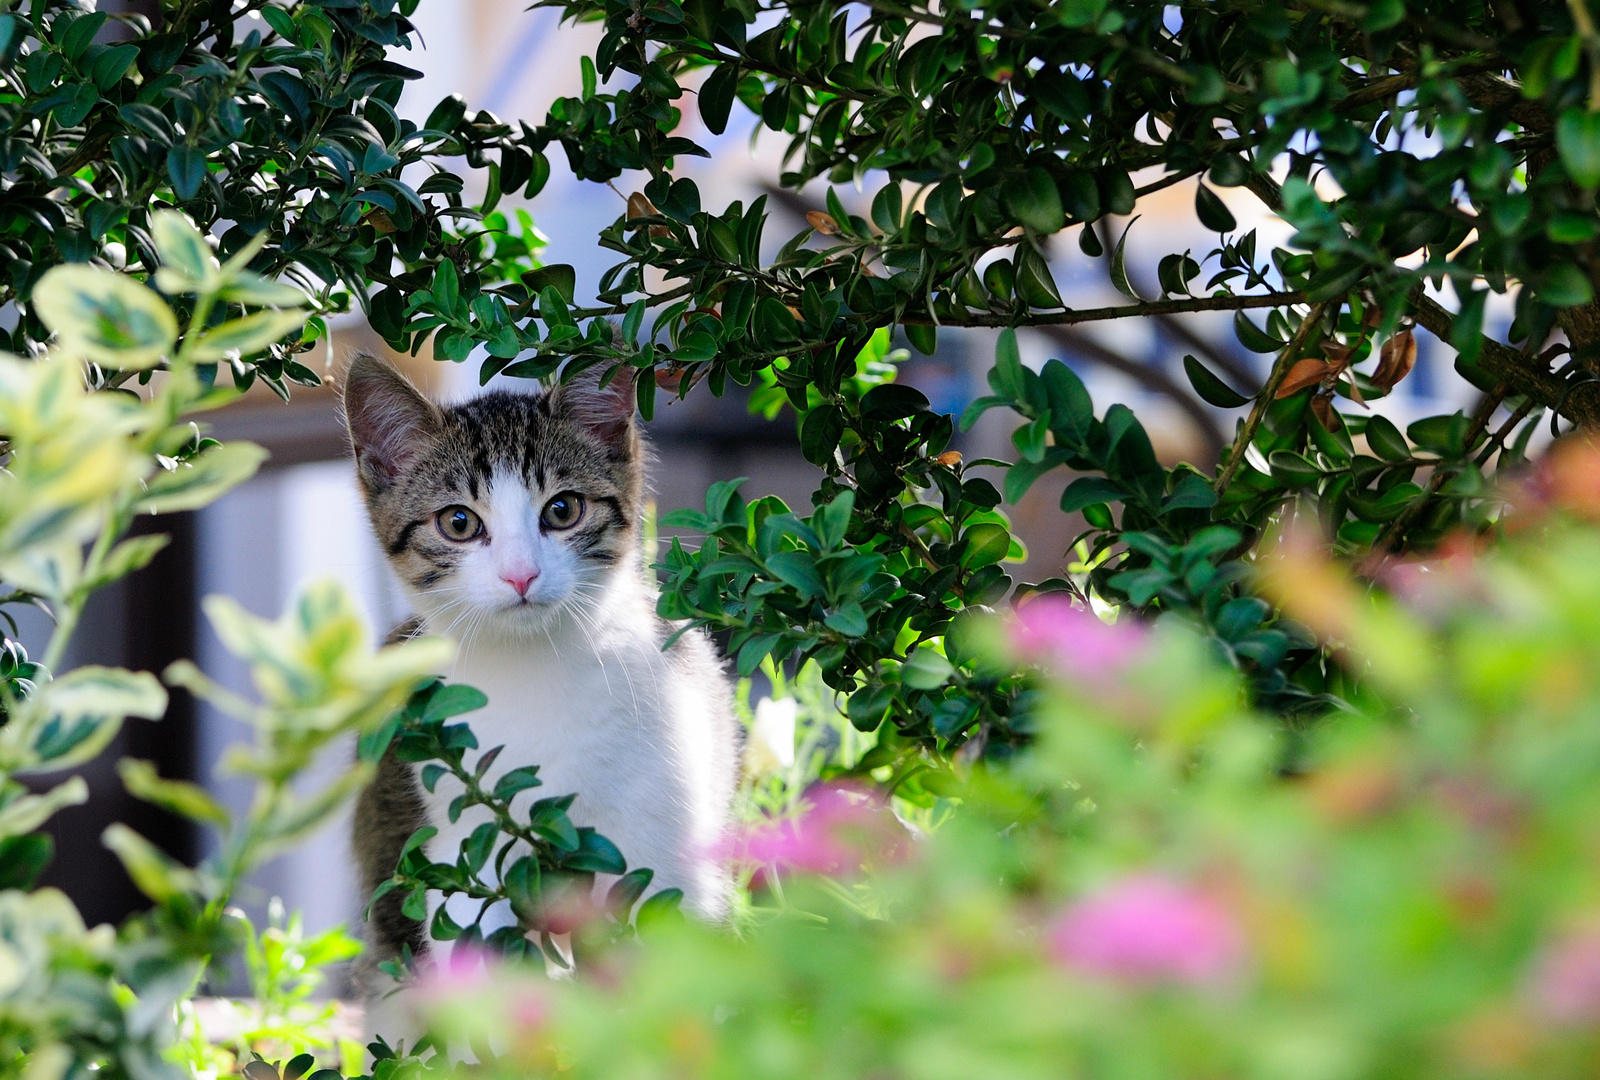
(606, 412)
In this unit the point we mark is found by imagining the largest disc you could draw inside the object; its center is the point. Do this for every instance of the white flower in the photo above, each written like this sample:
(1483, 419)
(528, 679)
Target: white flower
(773, 730)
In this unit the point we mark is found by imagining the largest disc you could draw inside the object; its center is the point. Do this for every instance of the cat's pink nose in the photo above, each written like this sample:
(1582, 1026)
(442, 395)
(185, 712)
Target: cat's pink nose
(520, 580)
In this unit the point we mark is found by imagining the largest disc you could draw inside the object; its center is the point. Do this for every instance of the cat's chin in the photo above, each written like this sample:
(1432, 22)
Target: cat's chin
(523, 619)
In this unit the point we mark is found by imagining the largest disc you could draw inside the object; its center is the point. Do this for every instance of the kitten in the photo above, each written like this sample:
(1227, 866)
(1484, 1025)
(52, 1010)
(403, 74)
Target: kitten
(513, 522)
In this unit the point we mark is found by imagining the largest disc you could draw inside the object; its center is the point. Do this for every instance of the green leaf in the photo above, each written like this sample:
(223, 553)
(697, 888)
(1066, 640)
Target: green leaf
(203, 479)
(716, 96)
(1008, 365)
(926, 669)
(1191, 492)
(1029, 439)
(1292, 469)
(625, 892)
(1212, 390)
(820, 433)
(1088, 490)
(453, 700)
(560, 276)
(1578, 140)
(659, 909)
(923, 337)
(1564, 285)
(443, 927)
(987, 543)
(523, 889)
(1253, 337)
(1385, 439)
(517, 780)
(799, 569)
(848, 620)
(1034, 201)
(1212, 211)
(186, 167)
(476, 848)
(23, 858)
(1119, 265)
(595, 855)
(105, 317)
(868, 705)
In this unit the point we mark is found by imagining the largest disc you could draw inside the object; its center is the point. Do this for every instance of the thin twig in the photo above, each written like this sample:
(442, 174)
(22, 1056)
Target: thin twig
(1280, 368)
(1497, 441)
(1118, 311)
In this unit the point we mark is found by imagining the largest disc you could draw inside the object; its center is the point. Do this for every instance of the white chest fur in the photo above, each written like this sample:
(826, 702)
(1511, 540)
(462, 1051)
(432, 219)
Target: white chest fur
(641, 736)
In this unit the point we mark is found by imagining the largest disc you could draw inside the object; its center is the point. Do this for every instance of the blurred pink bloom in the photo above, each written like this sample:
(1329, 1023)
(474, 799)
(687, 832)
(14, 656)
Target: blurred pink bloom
(1566, 979)
(840, 828)
(1148, 928)
(1074, 641)
(530, 1008)
(464, 969)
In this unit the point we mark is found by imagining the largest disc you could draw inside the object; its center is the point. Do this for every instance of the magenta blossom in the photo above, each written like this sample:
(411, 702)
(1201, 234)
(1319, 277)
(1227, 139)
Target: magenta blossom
(1147, 928)
(1566, 979)
(1073, 641)
(841, 828)
(464, 969)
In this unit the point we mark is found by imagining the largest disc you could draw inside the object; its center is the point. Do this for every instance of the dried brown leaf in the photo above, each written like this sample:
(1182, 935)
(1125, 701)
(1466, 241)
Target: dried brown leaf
(639, 206)
(823, 223)
(1308, 372)
(1322, 409)
(1337, 355)
(1395, 361)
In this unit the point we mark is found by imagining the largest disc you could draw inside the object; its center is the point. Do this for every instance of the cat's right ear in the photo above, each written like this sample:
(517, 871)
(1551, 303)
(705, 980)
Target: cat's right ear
(390, 422)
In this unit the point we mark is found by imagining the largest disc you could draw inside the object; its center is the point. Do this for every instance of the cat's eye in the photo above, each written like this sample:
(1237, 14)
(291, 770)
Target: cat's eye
(459, 524)
(563, 511)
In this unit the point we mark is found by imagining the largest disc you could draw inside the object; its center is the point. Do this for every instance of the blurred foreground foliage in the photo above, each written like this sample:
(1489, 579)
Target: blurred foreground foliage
(1171, 885)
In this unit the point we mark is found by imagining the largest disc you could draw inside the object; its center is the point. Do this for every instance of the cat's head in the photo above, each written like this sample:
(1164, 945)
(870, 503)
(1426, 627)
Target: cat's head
(504, 511)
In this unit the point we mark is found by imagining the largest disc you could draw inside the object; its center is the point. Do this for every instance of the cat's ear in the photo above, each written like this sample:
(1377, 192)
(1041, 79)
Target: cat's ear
(606, 412)
(390, 422)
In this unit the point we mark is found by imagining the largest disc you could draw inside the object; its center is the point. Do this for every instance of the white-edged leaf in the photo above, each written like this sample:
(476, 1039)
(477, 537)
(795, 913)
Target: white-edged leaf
(157, 874)
(179, 796)
(92, 692)
(203, 479)
(27, 812)
(248, 287)
(247, 335)
(182, 248)
(105, 317)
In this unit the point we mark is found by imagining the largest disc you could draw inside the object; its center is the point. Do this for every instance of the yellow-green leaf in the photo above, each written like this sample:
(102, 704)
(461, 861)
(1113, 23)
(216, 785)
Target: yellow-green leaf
(105, 317)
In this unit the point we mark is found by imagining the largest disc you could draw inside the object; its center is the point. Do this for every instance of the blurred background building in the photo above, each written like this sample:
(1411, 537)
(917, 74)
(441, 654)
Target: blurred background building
(301, 519)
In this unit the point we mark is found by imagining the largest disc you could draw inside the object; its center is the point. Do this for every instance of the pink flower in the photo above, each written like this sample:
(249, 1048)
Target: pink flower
(1074, 641)
(840, 829)
(1147, 928)
(1566, 979)
(463, 969)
